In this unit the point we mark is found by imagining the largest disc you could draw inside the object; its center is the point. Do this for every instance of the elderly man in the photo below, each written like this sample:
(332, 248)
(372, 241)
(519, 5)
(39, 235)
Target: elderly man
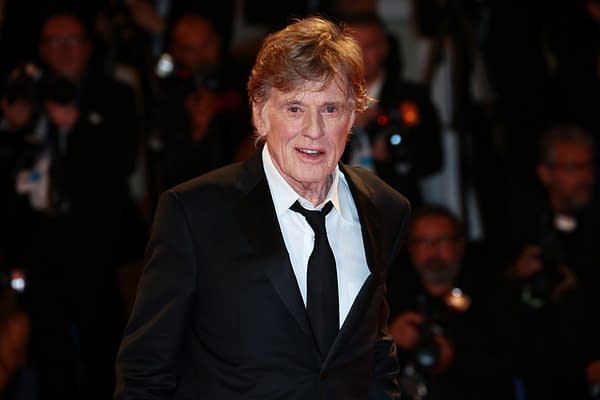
(266, 279)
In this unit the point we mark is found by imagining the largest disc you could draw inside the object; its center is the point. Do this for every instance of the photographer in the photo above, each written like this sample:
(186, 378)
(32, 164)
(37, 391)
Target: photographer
(201, 111)
(399, 137)
(549, 257)
(440, 313)
(19, 117)
(80, 223)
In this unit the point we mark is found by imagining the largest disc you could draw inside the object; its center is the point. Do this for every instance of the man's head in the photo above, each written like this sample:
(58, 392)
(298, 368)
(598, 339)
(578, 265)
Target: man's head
(195, 44)
(436, 244)
(566, 167)
(64, 46)
(370, 32)
(305, 88)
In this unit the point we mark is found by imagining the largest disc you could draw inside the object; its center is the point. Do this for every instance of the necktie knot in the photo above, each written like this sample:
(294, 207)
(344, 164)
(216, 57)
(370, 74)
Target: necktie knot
(315, 218)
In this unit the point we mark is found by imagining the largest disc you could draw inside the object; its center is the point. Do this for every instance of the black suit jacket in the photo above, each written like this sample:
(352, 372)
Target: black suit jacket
(219, 315)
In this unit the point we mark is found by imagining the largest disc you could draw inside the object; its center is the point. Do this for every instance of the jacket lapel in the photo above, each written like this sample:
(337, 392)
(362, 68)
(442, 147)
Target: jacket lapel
(256, 215)
(370, 222)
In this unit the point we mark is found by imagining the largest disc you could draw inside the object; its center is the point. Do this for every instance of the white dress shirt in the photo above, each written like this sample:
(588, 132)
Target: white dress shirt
(343, 232)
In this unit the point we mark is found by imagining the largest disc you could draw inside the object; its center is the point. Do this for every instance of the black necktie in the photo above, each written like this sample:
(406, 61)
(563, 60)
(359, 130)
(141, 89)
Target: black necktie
(322, 289)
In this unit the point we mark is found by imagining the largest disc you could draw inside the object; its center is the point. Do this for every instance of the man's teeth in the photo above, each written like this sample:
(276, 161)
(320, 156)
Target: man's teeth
(309, 151)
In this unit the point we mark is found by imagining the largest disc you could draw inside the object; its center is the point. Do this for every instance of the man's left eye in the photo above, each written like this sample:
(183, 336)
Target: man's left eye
(330, 109)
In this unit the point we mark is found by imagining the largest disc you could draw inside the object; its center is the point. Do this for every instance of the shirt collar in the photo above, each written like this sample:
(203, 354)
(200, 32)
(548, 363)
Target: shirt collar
(284, 196)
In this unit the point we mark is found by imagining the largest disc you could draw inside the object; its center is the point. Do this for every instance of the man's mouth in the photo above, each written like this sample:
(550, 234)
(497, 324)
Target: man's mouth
(310, 152)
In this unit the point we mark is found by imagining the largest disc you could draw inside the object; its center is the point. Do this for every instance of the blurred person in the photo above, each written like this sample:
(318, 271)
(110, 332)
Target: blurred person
(549, 258)
(19, 120)
(449, 34)
(157, 18)
(441, 318)
(81, 225)
(201, 112)
(71, 252)
(20, 23)
(573, 44)
(514, 46)
(65, 52)
(399, 136)
(230, 238)
(136, 34)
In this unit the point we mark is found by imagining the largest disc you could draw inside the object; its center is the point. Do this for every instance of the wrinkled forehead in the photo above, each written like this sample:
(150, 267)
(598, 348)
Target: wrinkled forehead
(322, 91)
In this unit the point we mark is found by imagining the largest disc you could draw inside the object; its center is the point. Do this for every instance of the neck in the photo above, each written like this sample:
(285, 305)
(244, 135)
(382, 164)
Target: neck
(316, 193)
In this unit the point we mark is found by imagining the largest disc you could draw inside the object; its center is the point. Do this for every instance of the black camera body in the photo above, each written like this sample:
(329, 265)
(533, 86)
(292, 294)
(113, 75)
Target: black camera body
(391, 126)
(424, 358)
(426, 353)
(541, 284)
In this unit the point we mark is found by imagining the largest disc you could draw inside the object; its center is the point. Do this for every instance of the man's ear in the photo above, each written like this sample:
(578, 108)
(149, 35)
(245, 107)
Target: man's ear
(260, 124)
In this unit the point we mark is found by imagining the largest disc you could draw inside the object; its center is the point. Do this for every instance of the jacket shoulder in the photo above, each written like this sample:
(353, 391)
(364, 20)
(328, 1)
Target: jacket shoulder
(380, 192)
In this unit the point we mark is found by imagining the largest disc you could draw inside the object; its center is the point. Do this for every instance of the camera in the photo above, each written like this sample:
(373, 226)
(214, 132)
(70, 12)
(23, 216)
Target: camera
(425, 356)
(393, 125)
(436, 311)
(541, 284)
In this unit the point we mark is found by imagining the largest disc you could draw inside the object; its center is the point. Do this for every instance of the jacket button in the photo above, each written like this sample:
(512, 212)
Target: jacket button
(324, 375)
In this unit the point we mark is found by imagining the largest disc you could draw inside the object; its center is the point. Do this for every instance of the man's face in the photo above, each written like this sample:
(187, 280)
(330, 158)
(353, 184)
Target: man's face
(435, 250)
(64, 47)
(195, 45)
(375, 47)
(306, 131)
(570, 178)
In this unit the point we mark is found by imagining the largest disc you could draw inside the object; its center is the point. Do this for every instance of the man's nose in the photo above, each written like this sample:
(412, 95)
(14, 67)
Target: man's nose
(314, 125)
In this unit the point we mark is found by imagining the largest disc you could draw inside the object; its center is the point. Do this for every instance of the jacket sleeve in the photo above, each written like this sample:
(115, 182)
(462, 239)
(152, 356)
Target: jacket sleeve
(147, 360)
(385, 384)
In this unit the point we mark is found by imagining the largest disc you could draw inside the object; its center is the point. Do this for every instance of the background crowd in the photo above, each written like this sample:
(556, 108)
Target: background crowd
(105, 104)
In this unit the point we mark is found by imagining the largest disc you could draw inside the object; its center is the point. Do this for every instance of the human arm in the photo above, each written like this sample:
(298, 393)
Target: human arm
(146, 366)
(405, 329)
(406, 333)
(384, 384)
(401, 215)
